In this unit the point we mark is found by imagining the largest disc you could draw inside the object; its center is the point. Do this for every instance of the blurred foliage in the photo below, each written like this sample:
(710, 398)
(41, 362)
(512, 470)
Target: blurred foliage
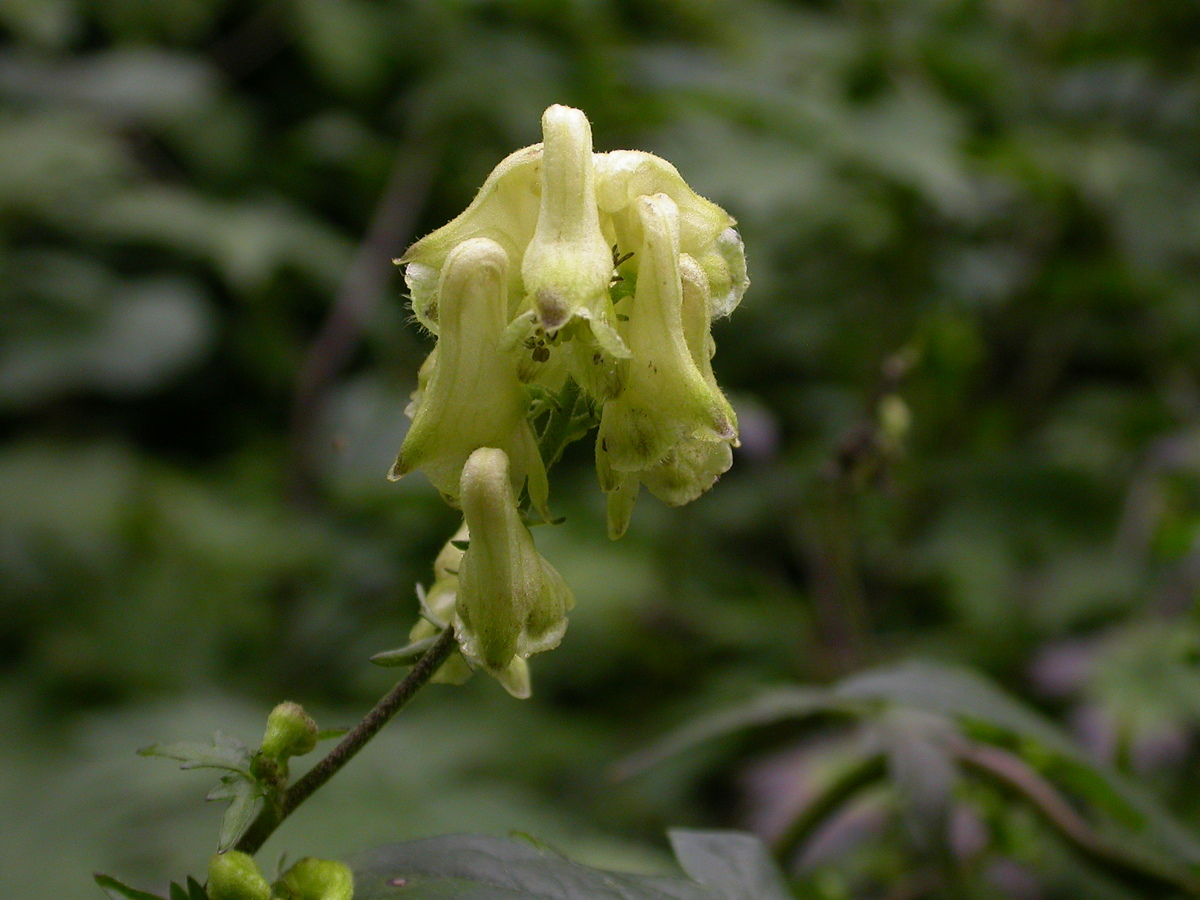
(967, 371)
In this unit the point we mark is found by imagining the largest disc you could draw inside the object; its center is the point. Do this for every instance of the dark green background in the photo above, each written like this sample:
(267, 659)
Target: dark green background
(987, 213)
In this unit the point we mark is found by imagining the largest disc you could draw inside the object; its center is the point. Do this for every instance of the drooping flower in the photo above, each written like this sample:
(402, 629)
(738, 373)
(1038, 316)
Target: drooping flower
(706, 231)
(666, 398)
(441, 601)
(568, 264)
(472, 397)
(622, 268)
(696, 460)
(505, 210)
(511, 602)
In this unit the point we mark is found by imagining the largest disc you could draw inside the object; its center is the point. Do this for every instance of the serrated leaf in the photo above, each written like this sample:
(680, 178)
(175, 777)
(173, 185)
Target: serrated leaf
(118, 891)
(221, 754)
(732, 865)
(952, 691)
(475, 867)
(241, 811)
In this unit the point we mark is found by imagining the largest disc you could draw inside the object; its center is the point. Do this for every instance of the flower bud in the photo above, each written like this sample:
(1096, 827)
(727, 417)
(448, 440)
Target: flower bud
(568, 264)
(316, 879)
(511, 602)
(473, 397)
(290, 732)
(666, 398)
(234, 876)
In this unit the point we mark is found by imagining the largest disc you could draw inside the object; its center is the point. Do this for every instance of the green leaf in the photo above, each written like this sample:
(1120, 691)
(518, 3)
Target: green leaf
(963, 695)
(955, 692)
(733, 865)
(196, 890)
(118, 891)
(772, 706)
(240, 813)
(475, 867)
(178, 892)
(328, 734)
(225, 752)
(921, 769)
(406, 655)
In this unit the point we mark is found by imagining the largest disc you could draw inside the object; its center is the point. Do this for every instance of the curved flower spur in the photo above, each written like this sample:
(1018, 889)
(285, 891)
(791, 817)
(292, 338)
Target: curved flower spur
(577, 289)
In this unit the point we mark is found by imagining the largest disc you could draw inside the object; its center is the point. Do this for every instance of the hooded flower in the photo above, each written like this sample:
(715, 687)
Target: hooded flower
(694, 464)
(568, 264)
(472, 397)
(511, 602)
(505, 210)
(622, 269)
(441, 600)
(706, 231)
(666, 398)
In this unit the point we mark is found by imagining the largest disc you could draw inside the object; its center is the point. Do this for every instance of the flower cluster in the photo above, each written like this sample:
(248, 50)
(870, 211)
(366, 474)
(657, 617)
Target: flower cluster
(572, 273)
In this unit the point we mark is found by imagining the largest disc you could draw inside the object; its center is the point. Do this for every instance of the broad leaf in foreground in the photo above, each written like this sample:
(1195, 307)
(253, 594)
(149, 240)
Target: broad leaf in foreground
(732, 865)
(717, 866)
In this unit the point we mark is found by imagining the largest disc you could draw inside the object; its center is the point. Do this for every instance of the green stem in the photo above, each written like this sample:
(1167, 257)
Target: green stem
(273, 815)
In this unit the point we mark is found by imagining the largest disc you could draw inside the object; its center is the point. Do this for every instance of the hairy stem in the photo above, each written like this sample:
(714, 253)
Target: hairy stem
(273, 815)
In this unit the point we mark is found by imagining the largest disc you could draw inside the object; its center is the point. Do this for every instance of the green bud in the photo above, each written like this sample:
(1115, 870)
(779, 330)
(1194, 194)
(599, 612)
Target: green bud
(290, 732)
(473, 397)
(316, 879)
(234, 876)
(511, 602)
(666, 398)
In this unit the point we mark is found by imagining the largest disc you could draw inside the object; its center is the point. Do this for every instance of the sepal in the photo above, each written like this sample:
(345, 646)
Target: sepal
(505, 210)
